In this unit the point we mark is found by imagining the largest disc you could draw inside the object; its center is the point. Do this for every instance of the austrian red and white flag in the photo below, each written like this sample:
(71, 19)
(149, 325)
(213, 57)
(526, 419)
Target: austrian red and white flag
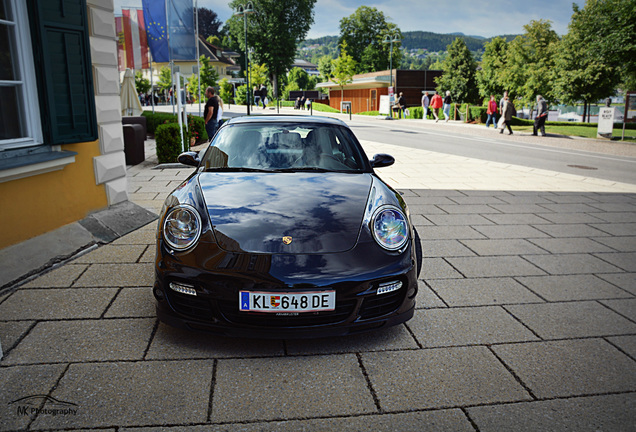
(136, 42)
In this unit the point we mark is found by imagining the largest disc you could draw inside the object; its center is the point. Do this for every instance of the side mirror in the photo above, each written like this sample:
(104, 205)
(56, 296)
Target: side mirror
(189, 158)
(382, 160)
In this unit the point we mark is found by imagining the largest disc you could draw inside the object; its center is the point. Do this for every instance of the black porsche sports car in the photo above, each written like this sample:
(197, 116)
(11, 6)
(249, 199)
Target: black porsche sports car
(285, 231)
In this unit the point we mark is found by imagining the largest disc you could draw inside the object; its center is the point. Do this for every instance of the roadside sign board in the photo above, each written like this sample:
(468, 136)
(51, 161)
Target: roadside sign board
(605, 122)
(385, 105)
(630, 107)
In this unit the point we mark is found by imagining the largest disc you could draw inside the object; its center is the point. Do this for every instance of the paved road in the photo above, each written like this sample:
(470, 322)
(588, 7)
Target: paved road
(526, 320)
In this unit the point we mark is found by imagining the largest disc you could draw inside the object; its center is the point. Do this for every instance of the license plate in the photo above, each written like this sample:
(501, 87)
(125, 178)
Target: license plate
(319, 301)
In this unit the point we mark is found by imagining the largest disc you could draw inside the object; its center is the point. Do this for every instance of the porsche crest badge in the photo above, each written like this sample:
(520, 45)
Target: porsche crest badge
(287, 240)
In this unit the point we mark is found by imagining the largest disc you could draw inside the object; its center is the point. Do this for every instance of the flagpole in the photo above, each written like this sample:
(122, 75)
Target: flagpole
(152, 86)
(196, 20)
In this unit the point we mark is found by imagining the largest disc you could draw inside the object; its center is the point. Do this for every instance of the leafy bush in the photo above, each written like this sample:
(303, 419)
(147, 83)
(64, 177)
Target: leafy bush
(168, 139)
(195, 123)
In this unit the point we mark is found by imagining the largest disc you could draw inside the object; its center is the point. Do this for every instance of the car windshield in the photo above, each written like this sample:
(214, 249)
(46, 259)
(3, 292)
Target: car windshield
(284, 147)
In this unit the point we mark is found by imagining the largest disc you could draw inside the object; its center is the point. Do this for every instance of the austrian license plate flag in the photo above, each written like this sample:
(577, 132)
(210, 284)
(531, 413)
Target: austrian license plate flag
(287, 302)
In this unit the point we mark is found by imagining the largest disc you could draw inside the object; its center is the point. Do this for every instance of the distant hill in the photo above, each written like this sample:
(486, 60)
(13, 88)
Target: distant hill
(432, 42)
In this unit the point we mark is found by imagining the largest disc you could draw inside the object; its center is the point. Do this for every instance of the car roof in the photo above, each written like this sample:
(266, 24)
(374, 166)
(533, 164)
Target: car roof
(286, 119)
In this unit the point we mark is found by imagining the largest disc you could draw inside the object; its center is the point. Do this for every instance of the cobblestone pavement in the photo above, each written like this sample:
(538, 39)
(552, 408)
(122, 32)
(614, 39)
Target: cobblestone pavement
(526, 320)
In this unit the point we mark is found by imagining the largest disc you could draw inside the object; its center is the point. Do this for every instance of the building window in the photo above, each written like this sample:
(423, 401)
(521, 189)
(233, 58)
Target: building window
(19, 115)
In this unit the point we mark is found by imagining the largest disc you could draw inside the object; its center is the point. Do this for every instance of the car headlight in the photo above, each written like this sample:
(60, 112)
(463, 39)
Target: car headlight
(182, 227)
(390, 228)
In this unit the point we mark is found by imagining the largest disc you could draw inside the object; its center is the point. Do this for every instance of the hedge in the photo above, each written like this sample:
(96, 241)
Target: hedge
(154, 120)
(168, 139)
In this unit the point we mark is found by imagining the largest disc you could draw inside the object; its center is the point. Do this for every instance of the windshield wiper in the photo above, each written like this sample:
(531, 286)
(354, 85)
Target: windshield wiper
(239, 169)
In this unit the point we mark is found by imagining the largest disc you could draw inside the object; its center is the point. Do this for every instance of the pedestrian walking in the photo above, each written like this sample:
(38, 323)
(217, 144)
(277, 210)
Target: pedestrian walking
(502, 100)
(401, 105)
(436, 104)
(425, 103)
(447, 104)
(210, 112)
(257, 95)
(542, 116)
(492, 112)
(506, 115)
(264, 96)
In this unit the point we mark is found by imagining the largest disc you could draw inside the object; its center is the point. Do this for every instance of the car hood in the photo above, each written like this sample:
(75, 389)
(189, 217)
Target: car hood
(300, 213)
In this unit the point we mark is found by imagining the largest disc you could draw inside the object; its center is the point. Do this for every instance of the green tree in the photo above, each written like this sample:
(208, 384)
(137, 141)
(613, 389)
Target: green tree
(274, 31)
(364, 32)
(300, 77)
(459, 73)
(165, 79)
(493, 62)
(226, 90)
(209, 75)
(324, 67)
(258, 74)
(214, 40)
(141, 84)
(192, 86)
(530, 62)
(343, 69)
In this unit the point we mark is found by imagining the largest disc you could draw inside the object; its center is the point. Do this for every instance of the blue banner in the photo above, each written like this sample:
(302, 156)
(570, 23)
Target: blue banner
(182, 32)
(157, 29)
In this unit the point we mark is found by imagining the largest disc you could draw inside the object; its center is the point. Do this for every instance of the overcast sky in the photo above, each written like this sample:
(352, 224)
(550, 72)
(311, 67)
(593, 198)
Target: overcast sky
(471, 17)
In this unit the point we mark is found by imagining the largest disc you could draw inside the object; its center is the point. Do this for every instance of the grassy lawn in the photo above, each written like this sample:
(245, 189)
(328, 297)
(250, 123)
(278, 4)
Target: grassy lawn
(581, 131)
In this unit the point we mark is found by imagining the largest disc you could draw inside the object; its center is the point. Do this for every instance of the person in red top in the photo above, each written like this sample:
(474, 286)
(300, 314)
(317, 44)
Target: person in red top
(436, 104)
(492, 112)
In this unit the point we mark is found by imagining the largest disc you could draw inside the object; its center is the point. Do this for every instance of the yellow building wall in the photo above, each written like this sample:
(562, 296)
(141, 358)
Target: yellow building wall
(37, 204)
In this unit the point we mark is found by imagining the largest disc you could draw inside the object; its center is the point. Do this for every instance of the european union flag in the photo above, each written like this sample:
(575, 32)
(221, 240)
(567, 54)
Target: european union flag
(157, 29)
(245, 300)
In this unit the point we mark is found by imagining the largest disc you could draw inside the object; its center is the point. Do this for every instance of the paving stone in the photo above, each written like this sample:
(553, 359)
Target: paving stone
(427, 200)
(448, 233)
(467, 326)
(113, 254)
(569, 264)
(510, 232)
(519, 208)
(512, 198)
(25, 387)
(50, 304)
(133, 393)
(595, 413)
(621, 244)
(61, 277)
(483, 292)
(427, 299)
(149, 255)
(437, 268)
(572, 319)
(419, 220)
(393, 338)
(503, 247)
(132, 303)
(477, 199)
(467, 209)
(459, 219)
(444, 248)
(517, 219)
(570, 245)
(570, 198)
(626, 281)
(626, 343)
(615, 207)
(569, 218)
(117, 275)
(570, 367)
(290, 388)
(616, 229)
(620, 217)
(418, 209)
(440, 378)
(623, 260)
(12, 332)
(572, 287)
(495, 266)
(442, 420)
(625, 307)
(140, 237)
(571, 230)
(84, 340)
(569, 208)
(171, 343)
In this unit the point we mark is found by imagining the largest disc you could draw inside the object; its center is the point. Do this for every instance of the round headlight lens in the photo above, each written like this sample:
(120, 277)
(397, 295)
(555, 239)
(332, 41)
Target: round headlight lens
(390, 228)
(182, 227)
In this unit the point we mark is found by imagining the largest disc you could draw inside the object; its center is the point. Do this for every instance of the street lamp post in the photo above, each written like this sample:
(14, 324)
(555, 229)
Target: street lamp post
(244, 10)
(390, 38)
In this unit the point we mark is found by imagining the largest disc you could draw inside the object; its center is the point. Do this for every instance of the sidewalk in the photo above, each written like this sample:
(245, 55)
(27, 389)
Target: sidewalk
(526, 320)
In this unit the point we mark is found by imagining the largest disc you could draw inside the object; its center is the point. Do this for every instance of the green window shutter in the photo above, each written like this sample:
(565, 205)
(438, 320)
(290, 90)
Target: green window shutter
(63, 66)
